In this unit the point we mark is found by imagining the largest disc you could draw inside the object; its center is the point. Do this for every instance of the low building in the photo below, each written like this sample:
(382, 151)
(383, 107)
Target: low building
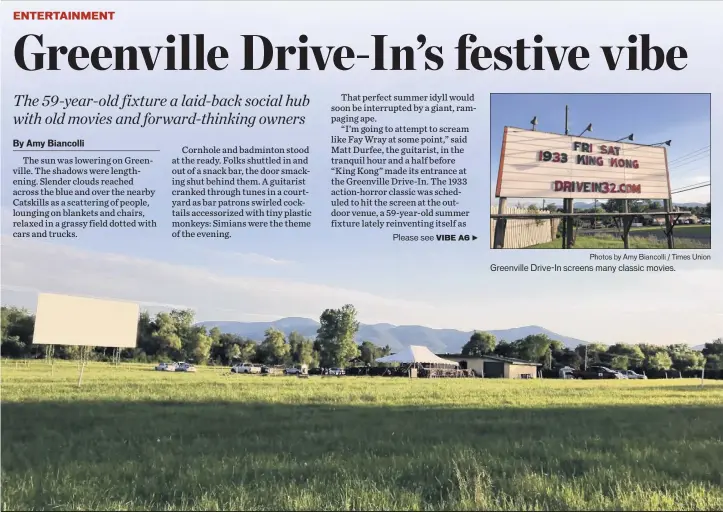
(491, 366)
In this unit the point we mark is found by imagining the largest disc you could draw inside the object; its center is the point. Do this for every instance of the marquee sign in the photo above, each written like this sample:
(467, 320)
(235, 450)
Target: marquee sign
(548, 165)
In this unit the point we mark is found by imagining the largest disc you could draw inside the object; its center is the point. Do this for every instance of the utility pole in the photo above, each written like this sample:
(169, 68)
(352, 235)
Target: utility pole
(567, 111)
(585, 356)
(568, 226)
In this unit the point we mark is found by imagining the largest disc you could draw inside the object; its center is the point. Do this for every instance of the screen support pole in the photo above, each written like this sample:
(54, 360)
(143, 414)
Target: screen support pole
(84, 357)
(627, 222)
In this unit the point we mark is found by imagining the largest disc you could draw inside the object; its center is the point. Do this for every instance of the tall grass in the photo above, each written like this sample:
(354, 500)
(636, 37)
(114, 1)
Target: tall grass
(607, 241)
(132, 438)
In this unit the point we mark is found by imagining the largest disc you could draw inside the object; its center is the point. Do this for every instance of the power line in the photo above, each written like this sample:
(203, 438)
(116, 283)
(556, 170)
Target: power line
(683, 164)
(691, 187)
(705, 149)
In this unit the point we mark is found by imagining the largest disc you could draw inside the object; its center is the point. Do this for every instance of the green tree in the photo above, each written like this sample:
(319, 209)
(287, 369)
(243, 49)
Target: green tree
(197, 344)
(650, 352)
(632, 352)
(620, 362)
(713, 352)
(613, 205)
(368, 352)
(595, 353)
(17, 331)
(247, 350)
(714, 362)
(301, 349)
(233, 353)
(215, 334)
(479, 344)
(660, 361)
(505, 349)
(691, 360)
(714, 348)
(335, 336)
(534, 347)
(685, 358)
(146, 342)
(567, 357)
(274, 348)
(165, 335)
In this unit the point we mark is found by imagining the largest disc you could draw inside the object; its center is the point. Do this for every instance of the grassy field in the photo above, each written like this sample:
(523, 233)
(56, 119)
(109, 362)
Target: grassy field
(637, 239)
(694, 231)
(132, 438)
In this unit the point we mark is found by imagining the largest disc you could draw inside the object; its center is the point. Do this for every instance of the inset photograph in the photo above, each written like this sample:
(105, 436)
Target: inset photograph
(600, 171)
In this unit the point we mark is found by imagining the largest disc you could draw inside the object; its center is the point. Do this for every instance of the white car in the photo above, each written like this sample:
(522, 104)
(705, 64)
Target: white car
(630, 374)
(246, 368)
(297, 370)
(705, 221)
(185, 367)
(337, 371)
(166, 367)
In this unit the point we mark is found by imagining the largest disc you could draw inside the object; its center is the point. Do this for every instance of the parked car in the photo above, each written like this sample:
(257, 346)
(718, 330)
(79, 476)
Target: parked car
(246, 368)
(630, 374)
(597, 372)
(337, 371)
(272, 370)
(186, 367)
(705, 221)
(299, 369)
(166, 367)
(567, 372)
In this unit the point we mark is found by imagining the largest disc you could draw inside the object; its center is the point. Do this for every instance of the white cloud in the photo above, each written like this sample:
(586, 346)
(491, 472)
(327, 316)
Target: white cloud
(55, 268)
(250, 258)
(676, 307)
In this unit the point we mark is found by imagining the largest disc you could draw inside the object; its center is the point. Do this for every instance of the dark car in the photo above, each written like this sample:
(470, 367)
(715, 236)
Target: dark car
(597, 372)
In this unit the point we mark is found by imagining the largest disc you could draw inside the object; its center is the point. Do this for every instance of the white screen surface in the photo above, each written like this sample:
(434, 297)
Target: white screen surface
(69, 320)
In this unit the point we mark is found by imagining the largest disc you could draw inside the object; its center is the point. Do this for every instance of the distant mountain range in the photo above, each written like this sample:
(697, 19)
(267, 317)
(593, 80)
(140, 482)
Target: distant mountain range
(691, 205)
(396, 336)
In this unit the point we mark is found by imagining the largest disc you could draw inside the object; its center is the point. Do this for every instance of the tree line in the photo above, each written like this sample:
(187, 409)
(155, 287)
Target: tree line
(540, 348)
(641, 206)
(173, 336)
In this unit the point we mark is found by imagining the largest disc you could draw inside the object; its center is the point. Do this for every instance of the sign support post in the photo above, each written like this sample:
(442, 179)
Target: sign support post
(627, 222)
(500, 225)
(570, 227)
(667, 204)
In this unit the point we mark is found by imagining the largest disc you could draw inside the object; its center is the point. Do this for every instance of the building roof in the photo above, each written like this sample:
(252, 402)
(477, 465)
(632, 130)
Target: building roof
(415, 354)
(508, 360)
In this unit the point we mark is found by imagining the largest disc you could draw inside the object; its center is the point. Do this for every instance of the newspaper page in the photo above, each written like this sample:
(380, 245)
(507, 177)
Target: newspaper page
(361, 255)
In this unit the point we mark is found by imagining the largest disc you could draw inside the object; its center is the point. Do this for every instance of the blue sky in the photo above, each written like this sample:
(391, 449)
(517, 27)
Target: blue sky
(267, 274)
(652, 118)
